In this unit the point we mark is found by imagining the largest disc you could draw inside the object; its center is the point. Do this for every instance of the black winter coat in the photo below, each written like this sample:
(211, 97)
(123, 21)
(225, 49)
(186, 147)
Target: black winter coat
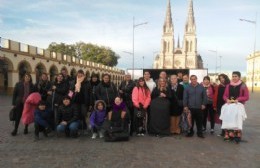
(43, 87)
(67, 113)
(84, 96)
(127, 92)
(107, 93)
(19, 93)
(176, 100)
(60, 91)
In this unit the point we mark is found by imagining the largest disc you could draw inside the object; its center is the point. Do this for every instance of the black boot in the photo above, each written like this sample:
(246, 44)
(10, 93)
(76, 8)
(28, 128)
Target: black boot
(14, 132)
(25, 131)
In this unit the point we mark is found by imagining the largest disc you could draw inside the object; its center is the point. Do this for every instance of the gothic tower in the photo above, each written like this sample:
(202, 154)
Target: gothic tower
(167, 42)
(184, 56)
(190, 39)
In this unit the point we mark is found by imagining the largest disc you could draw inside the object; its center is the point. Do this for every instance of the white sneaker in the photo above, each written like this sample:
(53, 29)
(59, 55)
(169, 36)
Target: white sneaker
(94, 136)
(101, 135)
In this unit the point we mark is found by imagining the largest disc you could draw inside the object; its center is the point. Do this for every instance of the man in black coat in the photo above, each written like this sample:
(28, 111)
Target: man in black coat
(125, 91)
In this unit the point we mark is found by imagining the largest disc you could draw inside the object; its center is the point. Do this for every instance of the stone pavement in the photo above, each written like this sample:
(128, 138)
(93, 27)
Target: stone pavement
(176, 151)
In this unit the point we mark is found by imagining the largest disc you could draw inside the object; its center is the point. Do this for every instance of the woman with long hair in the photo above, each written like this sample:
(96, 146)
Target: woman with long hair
(22, 90)
(141, 98)
(218, 100)
(160, 109)
(106, 91)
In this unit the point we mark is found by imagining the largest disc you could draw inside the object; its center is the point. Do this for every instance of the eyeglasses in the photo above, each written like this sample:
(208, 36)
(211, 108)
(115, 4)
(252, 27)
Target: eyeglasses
(234, 76)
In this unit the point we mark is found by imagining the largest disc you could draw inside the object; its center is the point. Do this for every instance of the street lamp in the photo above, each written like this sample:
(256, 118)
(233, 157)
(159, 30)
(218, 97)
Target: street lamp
(220, 57)
(215, 51)
(134, 26)
(253, 71)
(143, 62)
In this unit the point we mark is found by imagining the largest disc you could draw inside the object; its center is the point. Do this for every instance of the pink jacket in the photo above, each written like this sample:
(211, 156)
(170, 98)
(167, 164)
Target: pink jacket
(139, 95)
(243, 93)
(30, 105)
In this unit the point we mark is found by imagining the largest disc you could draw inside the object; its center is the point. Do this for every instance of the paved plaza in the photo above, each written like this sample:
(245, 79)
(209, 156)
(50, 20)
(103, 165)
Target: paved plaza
(176, 151)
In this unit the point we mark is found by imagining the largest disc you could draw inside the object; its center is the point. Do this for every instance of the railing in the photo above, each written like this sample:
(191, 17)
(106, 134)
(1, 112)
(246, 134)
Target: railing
(21, 47)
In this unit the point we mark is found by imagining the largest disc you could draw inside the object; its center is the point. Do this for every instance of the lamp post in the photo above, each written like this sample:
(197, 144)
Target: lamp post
(220, 57)
(215, 51)
(143, 62)
(253, 70)
(133, 53)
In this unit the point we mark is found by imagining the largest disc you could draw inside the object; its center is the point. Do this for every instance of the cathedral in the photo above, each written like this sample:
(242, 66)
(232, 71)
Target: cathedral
(179, 57)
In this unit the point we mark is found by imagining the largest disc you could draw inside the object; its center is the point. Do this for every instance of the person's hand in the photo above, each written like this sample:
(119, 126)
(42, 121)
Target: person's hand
(162, 95)
(203, 107)
(64, 123)
(228, 101)
(53, 87)
(49, 92)
(121, 91)
(215, 108)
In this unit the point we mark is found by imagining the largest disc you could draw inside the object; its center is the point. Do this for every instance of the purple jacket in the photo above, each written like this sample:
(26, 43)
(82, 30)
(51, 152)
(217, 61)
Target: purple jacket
(97, 118)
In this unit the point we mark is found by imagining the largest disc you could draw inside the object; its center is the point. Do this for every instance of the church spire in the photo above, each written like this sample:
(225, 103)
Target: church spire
(190, 26)
(178, 44)
(168, 26)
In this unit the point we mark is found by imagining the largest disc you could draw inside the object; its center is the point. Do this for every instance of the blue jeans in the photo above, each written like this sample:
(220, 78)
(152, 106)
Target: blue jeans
(72, 127)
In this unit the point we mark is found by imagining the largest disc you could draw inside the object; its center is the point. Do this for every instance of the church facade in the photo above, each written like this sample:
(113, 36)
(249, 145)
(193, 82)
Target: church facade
(174, 56)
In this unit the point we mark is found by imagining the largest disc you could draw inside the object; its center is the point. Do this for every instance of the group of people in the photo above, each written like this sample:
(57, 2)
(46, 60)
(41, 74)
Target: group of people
(145, 106)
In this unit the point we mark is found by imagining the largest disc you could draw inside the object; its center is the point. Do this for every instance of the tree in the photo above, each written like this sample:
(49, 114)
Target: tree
(90, 52)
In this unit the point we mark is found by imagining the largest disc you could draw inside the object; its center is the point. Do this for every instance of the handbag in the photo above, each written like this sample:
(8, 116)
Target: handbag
(12, 114)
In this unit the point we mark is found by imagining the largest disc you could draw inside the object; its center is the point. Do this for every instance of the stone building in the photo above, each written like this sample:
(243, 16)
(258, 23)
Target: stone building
(253, 70)
(179, 57)
(17, 58)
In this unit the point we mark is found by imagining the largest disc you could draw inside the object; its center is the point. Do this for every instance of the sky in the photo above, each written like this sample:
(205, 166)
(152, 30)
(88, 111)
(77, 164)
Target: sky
(110, 23)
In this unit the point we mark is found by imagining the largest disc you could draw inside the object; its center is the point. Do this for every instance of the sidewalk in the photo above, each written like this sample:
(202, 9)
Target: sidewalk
(22, 151)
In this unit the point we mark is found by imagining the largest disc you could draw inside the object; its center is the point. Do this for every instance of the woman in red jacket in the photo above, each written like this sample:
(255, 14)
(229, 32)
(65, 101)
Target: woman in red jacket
(141, 98)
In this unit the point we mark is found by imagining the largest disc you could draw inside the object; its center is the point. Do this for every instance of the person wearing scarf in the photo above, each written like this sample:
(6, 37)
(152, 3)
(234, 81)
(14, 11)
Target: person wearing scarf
(235, 92)
(82, 96)
(210, 90)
